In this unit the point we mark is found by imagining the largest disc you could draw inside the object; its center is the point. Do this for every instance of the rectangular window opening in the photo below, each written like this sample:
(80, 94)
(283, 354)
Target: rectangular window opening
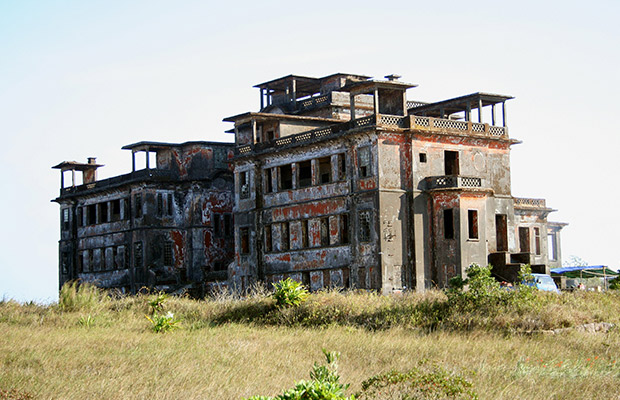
(448, 223)
(217, 231)
(344, 229)
(524, 239)
(91, 214)
(325, 170)
(268, 240)
(451, 161)
(244, 185)
(365, 224)
(286, 177)
(422, 157)
(104, 212)
(472, 223)
(363, 155)
(65, 219)
(116, 210)
(244, 239)
(169, 204)
(160, 204)
(324, 226)
(305, 173)
(137, 254)
(268, 181)
(228, 225)
(342, 167)
(138, 205)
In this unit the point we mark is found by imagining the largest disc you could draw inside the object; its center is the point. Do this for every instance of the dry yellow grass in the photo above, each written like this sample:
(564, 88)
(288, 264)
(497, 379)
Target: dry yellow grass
(49, 354)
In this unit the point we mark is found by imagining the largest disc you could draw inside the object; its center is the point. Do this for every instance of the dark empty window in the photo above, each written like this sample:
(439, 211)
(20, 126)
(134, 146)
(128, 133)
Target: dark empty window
(116, 210)
(448, 223)
(126, 209)
(268, 239)
(138, 205)
(305, 173)
(451, 160)
(160, 204)
(169, 203)
(344, 229)
(268, 181)
(244, 185)
(286, 237)
(103, 209)
(115, 263)
(285, 172)
(342, 167)
(270, 135)
(91, 214)
(524, 239)
(227, 225)
(244, 240)
(168, 261)
(472, 223)
(217, 231)
(80, 262)
(325, 170)
(364, 161)
(422, 157)
(65, 262)
(324, 226)
(365, 224)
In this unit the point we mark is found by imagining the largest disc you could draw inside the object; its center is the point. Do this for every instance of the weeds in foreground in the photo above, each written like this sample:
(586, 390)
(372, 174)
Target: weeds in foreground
(76, 296)
(14, 394)
(163, 323)
(418, 383)
(289, 293)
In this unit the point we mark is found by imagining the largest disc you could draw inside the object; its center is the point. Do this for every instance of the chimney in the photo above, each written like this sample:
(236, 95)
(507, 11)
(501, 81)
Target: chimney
(392, 77)
(92, 160)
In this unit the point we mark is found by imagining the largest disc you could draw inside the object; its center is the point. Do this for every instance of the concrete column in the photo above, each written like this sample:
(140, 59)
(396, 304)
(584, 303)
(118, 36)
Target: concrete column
(492, 114)
(253, 131)
(262, 98)
(73, 178)
(62, 179)
(133, 161)
(352, 105)
(480, 110)
(504, 118)
(146, 153)
(295, 93)
(375, 101)
(468, 113)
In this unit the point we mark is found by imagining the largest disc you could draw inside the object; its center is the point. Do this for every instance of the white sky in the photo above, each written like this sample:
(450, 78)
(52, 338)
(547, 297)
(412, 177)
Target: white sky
(80, 79)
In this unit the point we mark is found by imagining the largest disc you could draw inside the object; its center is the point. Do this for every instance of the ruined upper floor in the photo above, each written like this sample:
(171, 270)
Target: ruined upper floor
(296, 109)
(151, 161)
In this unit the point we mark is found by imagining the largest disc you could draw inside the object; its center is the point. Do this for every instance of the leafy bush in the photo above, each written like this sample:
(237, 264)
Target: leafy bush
(324, 384)
(416, 384)
(289, 292)
(614, 284)
(75, 296)
(156, 302)
(163, 323)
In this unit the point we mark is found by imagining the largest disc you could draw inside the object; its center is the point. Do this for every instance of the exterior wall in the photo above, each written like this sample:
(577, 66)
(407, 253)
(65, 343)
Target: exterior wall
(152, 228)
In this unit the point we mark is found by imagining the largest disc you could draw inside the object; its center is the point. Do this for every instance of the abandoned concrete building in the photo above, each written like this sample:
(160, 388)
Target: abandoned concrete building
(167, 225)
(337, 181)
(342, 182)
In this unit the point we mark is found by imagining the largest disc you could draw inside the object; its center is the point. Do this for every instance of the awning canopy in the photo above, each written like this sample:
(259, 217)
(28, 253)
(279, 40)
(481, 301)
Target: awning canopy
(586, 271)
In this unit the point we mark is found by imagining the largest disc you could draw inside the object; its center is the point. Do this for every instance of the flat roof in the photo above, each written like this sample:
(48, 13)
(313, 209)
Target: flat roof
(67, 165)
(304, 85)
(164, 145)
(260, 115)
(459, 104)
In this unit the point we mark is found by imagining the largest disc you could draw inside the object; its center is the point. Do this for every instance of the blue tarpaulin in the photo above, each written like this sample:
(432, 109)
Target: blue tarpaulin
(596, 269)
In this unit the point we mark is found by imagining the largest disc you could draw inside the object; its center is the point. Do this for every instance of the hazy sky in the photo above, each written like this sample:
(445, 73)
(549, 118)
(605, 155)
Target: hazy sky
(84, 78)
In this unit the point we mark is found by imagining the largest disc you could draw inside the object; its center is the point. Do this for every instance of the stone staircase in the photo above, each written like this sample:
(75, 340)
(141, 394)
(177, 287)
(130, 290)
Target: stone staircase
(506, 266)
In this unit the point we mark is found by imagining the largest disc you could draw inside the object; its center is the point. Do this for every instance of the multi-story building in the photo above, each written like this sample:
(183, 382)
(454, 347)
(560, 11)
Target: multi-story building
(166, 226)
(340, 181)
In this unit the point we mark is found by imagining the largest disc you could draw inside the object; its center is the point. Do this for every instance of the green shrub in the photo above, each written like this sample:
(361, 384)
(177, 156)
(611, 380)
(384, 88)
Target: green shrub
(156, 302)
(75, 296)
(614, 284)
(163, 323)
(416, 383)
(289, 292)
(324, 384)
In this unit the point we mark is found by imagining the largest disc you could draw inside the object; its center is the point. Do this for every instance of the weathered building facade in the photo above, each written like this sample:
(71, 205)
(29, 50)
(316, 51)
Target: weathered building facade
(167, 226)
(340, 181)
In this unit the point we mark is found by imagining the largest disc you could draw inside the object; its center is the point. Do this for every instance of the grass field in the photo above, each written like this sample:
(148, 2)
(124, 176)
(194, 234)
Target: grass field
(231, 349)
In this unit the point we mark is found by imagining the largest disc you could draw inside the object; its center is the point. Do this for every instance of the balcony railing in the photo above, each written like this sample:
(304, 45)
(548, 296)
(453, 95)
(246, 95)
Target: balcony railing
(530, 203)
(140, 175)
(435, 125)
(452, 182)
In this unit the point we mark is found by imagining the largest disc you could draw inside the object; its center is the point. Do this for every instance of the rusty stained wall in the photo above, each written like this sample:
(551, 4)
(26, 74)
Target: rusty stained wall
(336, 263)
(532, 219)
